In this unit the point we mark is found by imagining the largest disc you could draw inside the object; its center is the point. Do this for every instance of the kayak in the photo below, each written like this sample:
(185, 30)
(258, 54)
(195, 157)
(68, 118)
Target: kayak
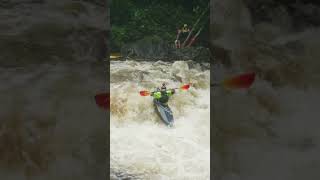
(164, 112)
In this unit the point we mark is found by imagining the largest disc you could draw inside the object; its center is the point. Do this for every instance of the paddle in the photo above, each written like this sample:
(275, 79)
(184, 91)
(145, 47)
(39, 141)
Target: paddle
(242, 81)
(103, 99)
(147, 93)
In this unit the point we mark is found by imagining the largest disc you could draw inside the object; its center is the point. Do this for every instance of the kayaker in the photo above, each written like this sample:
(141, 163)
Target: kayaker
(163, 95)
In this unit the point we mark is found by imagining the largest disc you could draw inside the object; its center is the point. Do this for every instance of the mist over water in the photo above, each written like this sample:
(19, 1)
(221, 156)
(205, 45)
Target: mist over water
(141, 145)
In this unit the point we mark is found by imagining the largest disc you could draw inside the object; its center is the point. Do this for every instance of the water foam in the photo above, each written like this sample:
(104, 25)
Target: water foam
(140, 143)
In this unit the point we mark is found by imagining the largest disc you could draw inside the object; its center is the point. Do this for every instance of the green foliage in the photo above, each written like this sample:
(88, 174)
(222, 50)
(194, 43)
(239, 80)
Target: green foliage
(132, 20)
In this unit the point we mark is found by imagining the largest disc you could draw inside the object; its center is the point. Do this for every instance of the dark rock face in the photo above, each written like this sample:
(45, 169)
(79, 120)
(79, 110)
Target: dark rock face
(156, 49)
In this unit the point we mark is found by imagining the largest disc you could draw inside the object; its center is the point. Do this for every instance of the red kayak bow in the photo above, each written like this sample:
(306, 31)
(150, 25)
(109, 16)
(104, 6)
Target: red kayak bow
(242, 81)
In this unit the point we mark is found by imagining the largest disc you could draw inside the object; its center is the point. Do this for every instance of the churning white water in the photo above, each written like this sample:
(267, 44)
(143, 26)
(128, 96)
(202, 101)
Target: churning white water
(270, 132)
(267, 133)
(141, 145)
(44, 132)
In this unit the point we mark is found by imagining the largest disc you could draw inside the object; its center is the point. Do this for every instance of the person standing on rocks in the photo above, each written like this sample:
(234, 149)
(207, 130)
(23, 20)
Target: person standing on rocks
(182, 35)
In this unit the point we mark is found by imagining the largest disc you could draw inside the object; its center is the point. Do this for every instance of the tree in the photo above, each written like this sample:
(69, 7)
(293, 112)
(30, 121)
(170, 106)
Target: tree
(132, 20)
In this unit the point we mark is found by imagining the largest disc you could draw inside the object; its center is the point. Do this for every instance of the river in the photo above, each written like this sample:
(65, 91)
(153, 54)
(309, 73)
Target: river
(141, 146)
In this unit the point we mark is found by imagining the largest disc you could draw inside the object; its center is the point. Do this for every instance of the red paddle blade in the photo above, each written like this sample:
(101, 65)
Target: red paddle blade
(185, 87)
(144, 93)
(241, 81)
(103, 100)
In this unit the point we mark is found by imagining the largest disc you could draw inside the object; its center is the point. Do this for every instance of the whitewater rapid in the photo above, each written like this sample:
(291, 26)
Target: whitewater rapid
(50, 126)
(266, 132)
(140, 144)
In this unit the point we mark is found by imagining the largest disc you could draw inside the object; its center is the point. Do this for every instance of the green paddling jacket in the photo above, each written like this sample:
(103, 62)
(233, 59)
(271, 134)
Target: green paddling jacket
(163, 96)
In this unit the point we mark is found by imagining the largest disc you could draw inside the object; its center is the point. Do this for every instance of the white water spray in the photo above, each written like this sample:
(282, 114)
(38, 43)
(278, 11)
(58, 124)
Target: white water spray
(140, 144)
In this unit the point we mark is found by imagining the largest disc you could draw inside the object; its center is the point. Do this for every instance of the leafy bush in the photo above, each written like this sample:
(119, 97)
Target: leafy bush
(134, 20)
